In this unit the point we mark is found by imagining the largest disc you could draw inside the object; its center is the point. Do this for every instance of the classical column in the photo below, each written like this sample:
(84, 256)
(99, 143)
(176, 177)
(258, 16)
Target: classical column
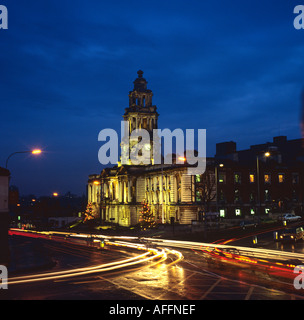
(89, 192)
(120, 191)
(129, 190)
(125, 195)
(93, 193)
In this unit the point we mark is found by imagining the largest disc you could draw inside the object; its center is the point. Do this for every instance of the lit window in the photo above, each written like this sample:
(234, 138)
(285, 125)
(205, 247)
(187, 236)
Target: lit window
(198, 178)
(252, 211)
(198, 196)
(237, 212)
(267, 178)
(267, 210)
(237, 178)
(222, 178)
(222, 213)
(251, 178)
(281, 178)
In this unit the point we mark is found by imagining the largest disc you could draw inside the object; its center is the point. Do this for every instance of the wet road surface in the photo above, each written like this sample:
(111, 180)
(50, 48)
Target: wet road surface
(196, 277)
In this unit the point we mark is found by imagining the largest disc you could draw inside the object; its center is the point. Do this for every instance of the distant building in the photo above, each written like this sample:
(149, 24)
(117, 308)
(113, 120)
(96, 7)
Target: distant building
(4, 190)
(4, 215)
(60, 222)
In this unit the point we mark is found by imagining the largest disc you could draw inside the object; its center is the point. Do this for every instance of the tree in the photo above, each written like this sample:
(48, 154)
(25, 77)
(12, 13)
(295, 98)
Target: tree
(89, 212)
(205, 191)
(146, 219)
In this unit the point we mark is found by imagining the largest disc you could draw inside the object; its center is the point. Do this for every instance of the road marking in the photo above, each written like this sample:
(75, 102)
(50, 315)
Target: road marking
(249, 293)
(178, 284)
(210, 289)
(118, 286)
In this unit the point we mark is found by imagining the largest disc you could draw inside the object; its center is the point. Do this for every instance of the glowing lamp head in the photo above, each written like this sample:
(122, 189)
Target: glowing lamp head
(96, 183)
(36, 151)
(55, 194)
(267, 154)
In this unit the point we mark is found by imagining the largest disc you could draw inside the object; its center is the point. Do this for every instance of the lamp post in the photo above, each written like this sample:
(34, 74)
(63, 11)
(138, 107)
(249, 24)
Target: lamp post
(221, 165)
(35, 152)
(266, 154)
(4, 217)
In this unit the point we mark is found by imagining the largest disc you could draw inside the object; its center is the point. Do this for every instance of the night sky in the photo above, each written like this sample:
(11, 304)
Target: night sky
(234, 68)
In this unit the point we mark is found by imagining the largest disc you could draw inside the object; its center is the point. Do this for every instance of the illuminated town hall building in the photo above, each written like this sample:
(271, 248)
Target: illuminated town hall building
(119, 191)
(263, 180)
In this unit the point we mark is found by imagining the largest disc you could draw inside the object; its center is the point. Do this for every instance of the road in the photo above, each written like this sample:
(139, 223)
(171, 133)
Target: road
(265, 239)
(154, 270)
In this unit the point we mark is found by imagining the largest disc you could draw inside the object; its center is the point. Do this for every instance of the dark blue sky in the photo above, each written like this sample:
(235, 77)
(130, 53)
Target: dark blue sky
(234, 68)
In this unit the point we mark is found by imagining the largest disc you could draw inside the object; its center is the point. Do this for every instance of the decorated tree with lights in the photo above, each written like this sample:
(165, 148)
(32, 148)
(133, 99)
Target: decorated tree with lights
(89, 212)
(146, 219)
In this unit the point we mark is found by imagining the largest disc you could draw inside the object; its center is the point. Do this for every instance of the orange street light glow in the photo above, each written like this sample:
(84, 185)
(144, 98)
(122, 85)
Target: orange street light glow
(36, 151)
(96, 182)
(55, 194)
(267, 154)
(182, 158)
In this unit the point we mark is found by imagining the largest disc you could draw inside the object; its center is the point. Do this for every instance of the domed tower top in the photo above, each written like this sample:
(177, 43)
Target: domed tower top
(141, 97)
(140, 84)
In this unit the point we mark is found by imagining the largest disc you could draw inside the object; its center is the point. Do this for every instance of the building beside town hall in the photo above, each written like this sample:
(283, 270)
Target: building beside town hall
(267, 178)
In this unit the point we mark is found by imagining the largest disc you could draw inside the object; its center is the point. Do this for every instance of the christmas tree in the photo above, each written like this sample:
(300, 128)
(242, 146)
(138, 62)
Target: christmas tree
(89, 212)
(146, 219)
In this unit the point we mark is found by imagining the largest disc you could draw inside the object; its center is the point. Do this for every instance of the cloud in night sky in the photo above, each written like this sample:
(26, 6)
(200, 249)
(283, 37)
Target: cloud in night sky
(232, 67)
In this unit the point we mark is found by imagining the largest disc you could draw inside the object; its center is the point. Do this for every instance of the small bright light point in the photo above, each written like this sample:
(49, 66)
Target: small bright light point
(55, 194)
(267, 154)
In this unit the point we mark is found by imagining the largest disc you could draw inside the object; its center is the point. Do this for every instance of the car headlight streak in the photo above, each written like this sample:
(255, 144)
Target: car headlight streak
(157, 255)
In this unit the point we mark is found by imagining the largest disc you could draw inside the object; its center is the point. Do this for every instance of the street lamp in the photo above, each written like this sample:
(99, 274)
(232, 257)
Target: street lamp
(34, 152)
(221, 165)
(267, 155)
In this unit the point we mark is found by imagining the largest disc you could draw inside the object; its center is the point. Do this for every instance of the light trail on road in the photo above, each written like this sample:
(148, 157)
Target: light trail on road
(163, 254)
(273, 262)
(158, 255)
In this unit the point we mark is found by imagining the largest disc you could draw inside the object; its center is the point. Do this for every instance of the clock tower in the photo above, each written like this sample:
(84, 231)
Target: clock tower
(141, 114)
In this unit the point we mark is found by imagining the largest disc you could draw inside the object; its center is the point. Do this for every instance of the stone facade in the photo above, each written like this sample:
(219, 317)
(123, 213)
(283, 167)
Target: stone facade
(118, 192)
